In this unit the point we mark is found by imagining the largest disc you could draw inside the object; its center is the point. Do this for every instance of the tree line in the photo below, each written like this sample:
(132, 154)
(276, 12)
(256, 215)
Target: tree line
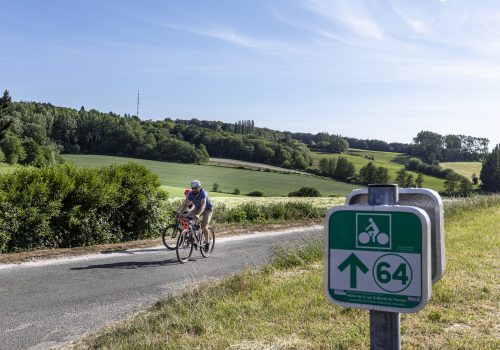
(39, 132)
(432, 147)
(428, 146)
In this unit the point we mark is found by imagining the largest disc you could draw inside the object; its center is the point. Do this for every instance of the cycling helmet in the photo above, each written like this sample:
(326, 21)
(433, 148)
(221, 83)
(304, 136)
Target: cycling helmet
(195, 183)
(187, 191)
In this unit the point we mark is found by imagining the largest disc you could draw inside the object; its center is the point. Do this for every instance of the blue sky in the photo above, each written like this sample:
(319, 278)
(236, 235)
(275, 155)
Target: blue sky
(366, 69)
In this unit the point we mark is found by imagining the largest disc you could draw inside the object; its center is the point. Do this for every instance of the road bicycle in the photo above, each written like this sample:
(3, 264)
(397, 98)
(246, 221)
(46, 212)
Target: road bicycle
(192, 239)
(171, 232)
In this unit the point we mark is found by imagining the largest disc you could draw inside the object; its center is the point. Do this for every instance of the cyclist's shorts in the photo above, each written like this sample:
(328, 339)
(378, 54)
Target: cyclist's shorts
(207, 216)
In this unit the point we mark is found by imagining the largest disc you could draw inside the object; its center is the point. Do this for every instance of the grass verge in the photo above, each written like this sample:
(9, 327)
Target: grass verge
(282, 306)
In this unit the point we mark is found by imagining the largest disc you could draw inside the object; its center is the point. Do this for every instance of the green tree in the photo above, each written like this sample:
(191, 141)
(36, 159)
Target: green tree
(5, 123)
(465, 187)
(12, 147)
(338, 145)
(344, 169)
(332, 166)
(490, 172)
(382, 175)
(215, 187)
(34, 154)
(368, 173)
(401, 176)
(428, 145)
(305, 192)
(475, 179)
(323, 166)
(409, 181)
(420, 180)
(451, 184)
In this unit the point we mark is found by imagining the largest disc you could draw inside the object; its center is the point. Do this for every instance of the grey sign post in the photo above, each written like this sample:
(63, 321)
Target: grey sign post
(385, 327)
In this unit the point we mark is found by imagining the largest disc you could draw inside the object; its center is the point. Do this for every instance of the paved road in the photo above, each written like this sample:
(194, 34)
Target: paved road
(53, 302)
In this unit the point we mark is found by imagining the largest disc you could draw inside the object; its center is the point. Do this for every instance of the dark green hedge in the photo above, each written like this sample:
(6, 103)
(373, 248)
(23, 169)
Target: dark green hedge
(63, 206)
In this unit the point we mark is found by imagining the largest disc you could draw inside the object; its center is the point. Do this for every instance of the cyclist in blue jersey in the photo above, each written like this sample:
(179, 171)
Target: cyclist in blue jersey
(202, 206)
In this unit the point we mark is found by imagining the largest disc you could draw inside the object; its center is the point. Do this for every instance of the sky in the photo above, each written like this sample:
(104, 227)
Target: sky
(382, 69)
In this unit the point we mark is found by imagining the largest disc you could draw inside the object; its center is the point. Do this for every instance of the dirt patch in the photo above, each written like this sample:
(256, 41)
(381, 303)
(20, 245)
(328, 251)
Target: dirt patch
(233, 230)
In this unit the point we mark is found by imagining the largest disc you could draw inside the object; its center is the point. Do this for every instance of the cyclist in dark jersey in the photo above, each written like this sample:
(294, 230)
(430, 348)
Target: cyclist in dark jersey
(202, 206)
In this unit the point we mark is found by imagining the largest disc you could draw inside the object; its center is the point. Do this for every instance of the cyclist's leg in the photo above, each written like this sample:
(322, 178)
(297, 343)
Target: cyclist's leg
(207, 216)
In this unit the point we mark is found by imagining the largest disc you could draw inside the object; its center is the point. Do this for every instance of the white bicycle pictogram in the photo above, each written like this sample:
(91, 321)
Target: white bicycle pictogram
(373, 233)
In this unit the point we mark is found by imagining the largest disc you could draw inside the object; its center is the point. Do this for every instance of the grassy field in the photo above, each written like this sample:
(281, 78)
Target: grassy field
(392, 161)
(464, 168)
(177, 176)
(233, 163)
(282, 305)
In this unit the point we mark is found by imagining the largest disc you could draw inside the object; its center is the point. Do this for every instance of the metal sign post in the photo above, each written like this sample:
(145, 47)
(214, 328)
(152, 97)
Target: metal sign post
(377, 257)
(385, 327)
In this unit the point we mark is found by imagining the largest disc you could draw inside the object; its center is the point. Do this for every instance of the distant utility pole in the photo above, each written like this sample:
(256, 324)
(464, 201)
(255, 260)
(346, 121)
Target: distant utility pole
(137, 114)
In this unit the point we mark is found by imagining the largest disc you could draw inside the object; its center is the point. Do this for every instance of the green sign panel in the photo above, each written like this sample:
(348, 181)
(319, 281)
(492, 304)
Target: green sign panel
(377, 257)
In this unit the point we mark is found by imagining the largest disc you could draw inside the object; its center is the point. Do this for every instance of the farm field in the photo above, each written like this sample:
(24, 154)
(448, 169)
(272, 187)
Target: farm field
(178, 175)
(464, 168)
(233, 163)
(232, 201)
(390, 160)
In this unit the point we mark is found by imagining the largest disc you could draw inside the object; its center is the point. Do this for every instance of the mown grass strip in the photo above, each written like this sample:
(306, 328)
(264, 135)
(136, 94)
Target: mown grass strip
(282, 306)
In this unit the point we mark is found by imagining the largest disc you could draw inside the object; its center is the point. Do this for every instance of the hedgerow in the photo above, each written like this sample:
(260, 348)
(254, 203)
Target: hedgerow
(63, 206)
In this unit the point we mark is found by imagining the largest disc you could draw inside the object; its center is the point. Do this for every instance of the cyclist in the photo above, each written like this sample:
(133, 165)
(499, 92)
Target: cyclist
(202, 206)
(190, 207)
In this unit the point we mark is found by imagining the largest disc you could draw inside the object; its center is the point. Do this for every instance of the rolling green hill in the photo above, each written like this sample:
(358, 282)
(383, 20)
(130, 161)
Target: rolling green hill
(464, 168)
(392, 161)
(177, 176)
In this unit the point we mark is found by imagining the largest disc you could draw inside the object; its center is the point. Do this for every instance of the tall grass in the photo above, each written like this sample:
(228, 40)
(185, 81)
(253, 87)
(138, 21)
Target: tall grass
(459, 205)
(298, 253)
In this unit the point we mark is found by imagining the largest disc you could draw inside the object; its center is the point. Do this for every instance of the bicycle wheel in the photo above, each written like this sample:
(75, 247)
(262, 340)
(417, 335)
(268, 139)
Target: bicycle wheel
(211, 242)
(184, 246)
(169, 236)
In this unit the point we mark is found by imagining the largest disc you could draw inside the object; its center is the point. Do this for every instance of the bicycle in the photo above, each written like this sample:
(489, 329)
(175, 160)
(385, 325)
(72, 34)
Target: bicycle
(171, 232)
(192, 238)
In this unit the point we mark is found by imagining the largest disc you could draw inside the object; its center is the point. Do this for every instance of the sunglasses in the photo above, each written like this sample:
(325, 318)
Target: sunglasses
(195, 188)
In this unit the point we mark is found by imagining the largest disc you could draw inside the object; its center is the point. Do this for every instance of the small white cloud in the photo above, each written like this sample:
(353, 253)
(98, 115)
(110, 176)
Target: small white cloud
(351, 14)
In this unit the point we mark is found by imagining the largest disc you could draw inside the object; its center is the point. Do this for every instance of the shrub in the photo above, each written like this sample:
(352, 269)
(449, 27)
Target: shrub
(254, 212)
(236, 215)
(215, 187)
(255, 194)
(305, 192)
(237, 191)
(62, 206)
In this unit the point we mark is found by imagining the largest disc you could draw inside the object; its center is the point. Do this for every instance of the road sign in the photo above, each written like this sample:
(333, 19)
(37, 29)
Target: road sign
(431, 202)
(378, 257)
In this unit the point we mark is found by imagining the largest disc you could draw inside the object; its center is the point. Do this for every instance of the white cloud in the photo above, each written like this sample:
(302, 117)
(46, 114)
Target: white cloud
(351, 14)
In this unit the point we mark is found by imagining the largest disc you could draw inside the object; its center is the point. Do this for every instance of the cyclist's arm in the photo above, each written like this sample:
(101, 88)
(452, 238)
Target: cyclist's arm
(184, 206)
(202, 207)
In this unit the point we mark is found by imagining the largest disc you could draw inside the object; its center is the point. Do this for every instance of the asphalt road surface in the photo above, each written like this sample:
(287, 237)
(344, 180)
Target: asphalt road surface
(50, 303)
